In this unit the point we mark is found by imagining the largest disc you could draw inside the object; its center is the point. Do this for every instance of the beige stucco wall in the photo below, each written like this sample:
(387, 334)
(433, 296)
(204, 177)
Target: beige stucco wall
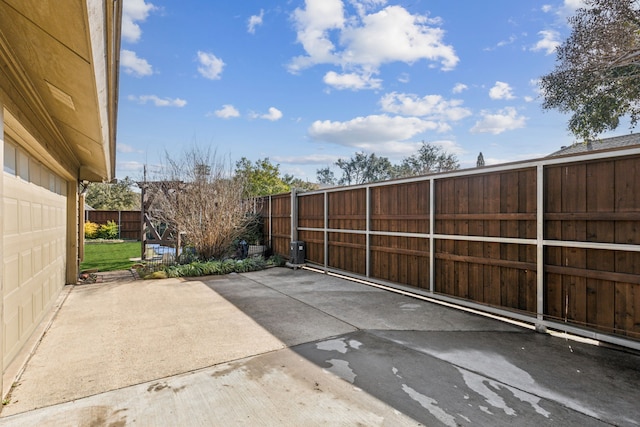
(34, 248)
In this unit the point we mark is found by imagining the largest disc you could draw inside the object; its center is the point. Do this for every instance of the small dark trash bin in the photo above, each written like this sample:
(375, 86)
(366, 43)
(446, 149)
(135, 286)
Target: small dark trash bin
(244, 249)
(298, 252)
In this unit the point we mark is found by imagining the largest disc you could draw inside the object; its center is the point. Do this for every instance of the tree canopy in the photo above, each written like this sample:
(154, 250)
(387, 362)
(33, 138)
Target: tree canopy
(429, 159)
(597, 74)
(298, 183)
(118, 196)
(364, 168)
(261, 178)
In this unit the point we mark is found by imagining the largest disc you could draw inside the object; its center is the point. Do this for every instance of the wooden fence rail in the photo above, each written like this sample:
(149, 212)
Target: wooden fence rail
(554, 242)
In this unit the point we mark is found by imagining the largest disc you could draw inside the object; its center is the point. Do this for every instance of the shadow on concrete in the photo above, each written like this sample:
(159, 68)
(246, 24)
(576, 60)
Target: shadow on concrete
(436, 364)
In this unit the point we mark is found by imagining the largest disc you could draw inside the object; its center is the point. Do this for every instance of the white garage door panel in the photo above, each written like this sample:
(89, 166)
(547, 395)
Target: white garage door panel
(34, 246)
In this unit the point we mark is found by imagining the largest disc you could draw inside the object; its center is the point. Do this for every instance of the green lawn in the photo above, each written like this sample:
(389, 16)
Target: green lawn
(109, 256)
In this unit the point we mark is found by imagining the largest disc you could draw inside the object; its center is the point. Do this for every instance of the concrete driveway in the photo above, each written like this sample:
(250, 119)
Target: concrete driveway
(295, 347)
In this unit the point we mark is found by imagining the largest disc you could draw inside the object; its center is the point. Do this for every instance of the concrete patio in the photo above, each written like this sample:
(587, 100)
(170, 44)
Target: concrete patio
(296, 347)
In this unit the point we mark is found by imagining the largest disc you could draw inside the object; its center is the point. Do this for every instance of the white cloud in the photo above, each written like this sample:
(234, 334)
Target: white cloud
(529, 99)
(363, 6)
(572, 5)
(134, 11)
(434, 107)
(536, 88)
(566, 9)
(273, 115)
(126, 148)
(501, 90)
(227, 111)
(393, 34)
(210, 65)
(138, 67)
(510, 159)
(503, 120)
(459, 88)
(255, 21)
(353, 81)
(315, 159)
(550, 40)
(157, 101)
(449, 146)
(379, 133)
(502, 43)
(131, 166)
(404, 78)
(361, 43)
(313, 25)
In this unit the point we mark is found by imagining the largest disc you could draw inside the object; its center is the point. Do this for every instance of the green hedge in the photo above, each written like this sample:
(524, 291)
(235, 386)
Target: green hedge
(209, 268)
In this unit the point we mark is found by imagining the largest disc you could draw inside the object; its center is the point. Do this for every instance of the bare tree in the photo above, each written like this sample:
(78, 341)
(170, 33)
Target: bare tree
(198, 197)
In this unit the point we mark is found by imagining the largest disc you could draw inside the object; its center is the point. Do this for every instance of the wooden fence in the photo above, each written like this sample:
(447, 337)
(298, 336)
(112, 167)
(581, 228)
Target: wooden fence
(553, 242)
(128, 222)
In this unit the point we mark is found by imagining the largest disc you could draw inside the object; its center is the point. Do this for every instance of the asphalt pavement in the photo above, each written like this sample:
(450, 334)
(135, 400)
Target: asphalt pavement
(296, 347)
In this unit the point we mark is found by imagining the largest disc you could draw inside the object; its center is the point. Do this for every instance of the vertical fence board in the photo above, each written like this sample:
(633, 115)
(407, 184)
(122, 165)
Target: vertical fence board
(475, 228)
(527, 299)
(461, 285)
(492, 250)
(553, 231)
(600, 198)
(509, 203)
(281, 224)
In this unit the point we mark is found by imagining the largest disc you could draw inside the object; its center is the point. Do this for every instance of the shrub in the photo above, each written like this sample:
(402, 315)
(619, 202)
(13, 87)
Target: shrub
(108, 230)
(90, 230)
(276, 261)
(199, 268)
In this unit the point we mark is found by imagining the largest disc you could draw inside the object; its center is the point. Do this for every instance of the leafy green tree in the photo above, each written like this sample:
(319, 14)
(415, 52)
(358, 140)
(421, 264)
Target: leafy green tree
(364, 168)
(597, 74)
(429, 159)
(260, 178)
(326, 176)
(298, 183)
(114, 197)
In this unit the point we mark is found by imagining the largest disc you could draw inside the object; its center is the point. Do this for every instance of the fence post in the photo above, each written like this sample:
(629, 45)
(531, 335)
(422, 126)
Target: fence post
(326, 232)
(294, 215)
(270, 225)
(540, 249)
(368, 236)
(432, 256)
(143, 234)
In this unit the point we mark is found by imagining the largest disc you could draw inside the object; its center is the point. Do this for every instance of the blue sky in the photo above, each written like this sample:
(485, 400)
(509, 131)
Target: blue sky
(307, 82)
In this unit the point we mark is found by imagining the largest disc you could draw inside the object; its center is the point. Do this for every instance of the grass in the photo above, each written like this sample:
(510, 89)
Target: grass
(109, 256)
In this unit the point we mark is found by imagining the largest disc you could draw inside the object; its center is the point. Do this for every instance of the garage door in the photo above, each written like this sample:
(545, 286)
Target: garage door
(34, 245)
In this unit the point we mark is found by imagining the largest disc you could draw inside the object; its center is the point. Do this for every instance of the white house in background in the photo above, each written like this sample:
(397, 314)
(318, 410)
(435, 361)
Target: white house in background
(58, 108)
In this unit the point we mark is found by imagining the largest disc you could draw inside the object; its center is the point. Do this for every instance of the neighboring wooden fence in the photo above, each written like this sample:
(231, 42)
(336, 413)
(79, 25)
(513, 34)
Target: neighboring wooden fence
(128, 222)
(554, 242)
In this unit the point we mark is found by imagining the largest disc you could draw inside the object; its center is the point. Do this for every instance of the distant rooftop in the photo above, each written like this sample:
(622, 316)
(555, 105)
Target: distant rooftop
(623, 141)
